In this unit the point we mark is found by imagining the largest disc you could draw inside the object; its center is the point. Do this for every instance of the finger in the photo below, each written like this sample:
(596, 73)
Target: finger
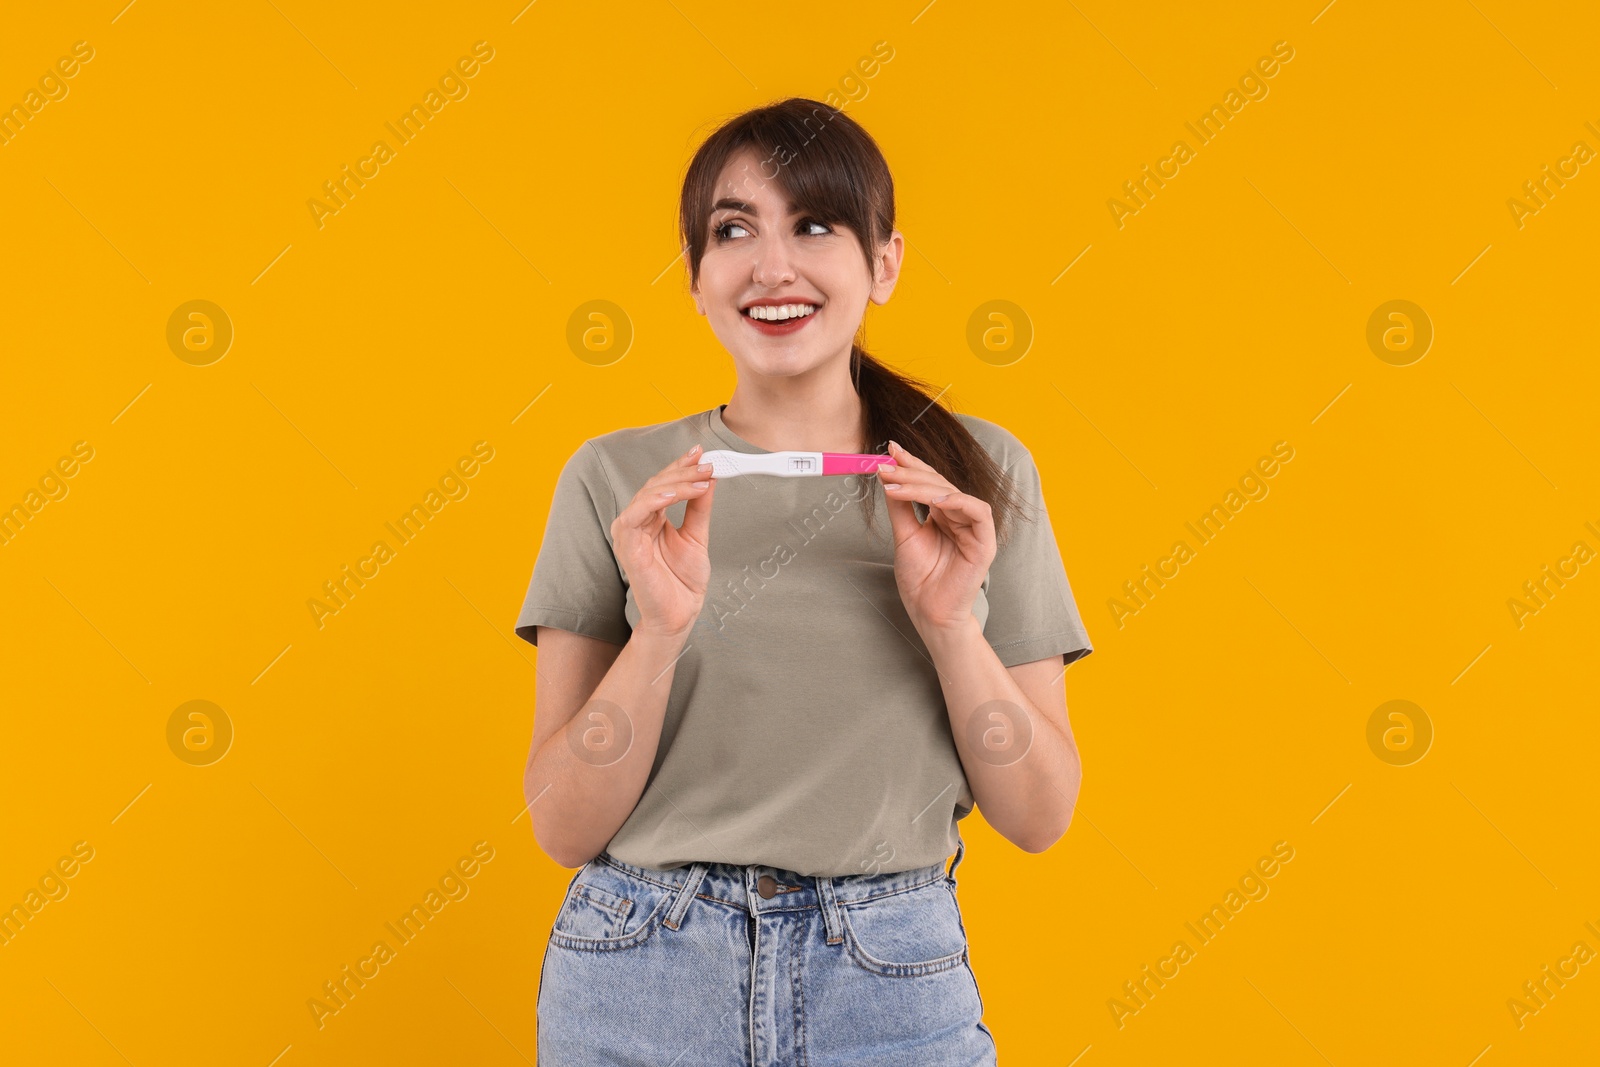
(920, 486)
(672, 473)
(902, 516)
(921, 480)
(646, 511)
(680, 479)
(906, 459)
(960, 511)
(913, 473)
(697, 513)
(687, 485)
(902, 486)
(965, 516)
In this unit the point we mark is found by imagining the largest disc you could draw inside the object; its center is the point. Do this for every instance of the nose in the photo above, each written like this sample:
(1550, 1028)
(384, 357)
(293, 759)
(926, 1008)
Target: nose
(772, 266)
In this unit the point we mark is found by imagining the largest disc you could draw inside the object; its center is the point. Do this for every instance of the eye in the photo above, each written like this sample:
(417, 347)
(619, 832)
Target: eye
(723, 232)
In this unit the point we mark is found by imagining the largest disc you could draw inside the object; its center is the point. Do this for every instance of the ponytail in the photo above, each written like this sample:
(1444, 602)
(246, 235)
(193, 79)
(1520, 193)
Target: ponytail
(898, 407)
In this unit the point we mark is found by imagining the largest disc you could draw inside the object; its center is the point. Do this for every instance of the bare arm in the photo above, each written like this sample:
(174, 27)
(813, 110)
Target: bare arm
(1010, 723)
(1012, 734)
(596, 729)
(600, 706)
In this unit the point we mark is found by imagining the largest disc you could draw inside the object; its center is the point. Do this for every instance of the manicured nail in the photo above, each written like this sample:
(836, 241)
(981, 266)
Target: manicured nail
(885, 467)
(892, 485)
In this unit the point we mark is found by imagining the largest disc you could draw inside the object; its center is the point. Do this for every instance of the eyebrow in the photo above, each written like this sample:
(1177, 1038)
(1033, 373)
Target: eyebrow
(734, 204)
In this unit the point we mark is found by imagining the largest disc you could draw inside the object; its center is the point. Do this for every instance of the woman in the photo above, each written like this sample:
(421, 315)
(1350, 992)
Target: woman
(759, 721)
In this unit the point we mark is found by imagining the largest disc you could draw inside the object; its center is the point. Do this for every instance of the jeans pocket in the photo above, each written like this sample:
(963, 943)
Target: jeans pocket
(606, 908)
(906, 934)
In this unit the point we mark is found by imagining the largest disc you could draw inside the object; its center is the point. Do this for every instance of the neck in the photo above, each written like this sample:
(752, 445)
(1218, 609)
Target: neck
(800, 420)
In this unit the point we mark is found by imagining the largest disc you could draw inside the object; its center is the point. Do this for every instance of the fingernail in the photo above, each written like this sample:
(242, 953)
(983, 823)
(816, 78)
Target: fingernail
(691, 452)
(892, 485)
(701, 485)
(885, 467)
(894, 446)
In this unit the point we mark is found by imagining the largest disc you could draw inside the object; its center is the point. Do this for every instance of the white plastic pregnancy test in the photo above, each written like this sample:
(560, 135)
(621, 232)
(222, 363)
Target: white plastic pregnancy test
(729, 464)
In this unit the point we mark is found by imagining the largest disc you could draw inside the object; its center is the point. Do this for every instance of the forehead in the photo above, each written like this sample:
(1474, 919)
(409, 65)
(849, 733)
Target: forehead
(745, 185)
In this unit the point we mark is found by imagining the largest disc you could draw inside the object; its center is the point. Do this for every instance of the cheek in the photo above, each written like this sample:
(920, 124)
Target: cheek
(724, 275)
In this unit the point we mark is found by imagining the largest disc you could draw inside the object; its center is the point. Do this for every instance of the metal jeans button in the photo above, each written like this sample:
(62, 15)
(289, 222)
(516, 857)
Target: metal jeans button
(767, 886)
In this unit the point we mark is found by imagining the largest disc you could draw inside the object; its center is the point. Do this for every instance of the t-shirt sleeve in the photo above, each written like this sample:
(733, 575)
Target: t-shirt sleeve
(577, 584)
(1032, 613)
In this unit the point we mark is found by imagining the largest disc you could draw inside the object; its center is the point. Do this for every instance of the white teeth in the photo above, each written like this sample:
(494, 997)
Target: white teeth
(780, 312)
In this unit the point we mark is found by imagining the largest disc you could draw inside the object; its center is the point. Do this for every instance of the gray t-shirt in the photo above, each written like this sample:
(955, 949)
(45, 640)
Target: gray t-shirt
(805, 728)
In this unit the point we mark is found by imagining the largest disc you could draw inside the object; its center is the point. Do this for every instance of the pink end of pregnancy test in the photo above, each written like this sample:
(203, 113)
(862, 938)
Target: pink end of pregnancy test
(852, 463)
(729, 464)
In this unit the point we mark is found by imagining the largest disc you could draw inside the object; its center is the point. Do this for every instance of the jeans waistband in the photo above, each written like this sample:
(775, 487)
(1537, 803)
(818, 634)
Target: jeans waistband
(742, 885)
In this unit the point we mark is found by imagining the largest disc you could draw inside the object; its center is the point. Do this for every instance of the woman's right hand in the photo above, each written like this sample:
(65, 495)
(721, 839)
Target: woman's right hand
(668, 567)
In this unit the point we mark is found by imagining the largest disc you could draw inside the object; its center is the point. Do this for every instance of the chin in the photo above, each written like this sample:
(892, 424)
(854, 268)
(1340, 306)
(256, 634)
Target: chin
(777, 366)
(780, 364)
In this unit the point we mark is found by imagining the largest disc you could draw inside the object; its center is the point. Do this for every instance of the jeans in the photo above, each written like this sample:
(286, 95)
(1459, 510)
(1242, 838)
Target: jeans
(753, 966)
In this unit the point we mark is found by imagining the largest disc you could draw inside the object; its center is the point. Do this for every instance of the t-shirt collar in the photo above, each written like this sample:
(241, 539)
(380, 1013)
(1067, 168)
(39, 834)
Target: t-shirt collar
(720, 428)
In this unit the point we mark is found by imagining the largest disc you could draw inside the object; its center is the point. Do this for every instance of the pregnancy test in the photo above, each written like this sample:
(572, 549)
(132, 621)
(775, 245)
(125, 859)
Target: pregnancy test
(729, 464)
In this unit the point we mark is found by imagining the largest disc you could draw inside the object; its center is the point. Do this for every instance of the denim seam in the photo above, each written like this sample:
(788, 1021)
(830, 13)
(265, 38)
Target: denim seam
(684, 896)
(637, 873)
(607, 944)
(886, 969)
(796, 953)
(934, 880)
(598, 897)
(972, 976)
(539, 994)
(832, 928)
(900, 970)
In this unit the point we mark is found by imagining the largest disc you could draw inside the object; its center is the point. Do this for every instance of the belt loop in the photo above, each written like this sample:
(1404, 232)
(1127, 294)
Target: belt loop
(961, 849)
(691, 885)
(830, 910)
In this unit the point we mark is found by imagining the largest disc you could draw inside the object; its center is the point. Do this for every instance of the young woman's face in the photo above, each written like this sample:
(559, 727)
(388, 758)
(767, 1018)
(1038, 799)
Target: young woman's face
(759, 251)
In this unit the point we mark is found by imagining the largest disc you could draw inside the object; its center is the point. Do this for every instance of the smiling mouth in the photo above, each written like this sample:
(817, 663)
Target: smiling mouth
(779, 312)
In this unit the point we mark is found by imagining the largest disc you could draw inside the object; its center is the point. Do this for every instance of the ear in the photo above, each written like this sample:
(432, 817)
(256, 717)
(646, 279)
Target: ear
(890, 256)
(694, 288)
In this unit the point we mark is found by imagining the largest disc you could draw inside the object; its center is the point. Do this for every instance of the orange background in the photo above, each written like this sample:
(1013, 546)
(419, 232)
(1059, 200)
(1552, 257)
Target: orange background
(432, 311)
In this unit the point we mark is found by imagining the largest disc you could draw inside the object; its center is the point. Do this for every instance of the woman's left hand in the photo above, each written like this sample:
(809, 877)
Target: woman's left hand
(939, 565)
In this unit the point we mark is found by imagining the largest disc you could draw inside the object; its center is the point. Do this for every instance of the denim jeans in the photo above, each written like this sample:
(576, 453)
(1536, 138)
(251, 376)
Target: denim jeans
(695, 965)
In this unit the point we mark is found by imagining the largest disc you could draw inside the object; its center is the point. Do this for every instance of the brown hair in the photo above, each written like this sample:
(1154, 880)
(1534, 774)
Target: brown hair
(832, 169)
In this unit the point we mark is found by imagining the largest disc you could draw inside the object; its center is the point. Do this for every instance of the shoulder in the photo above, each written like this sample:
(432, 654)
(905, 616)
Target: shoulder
(629, 456)
(632, 440)
(1003, 446)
